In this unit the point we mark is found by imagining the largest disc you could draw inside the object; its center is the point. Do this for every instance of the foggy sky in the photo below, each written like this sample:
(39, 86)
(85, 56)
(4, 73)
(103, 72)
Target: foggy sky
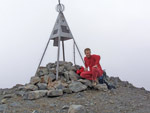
(117, 30)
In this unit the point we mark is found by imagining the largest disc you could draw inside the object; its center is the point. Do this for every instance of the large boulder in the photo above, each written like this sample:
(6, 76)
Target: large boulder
(31, 95)
(77, 109)
(77, 86)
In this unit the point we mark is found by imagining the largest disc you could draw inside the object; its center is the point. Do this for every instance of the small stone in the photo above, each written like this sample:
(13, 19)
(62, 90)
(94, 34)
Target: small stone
(42, 71)
(49, 77)
(61, 63)
(20, 93)
(73, 68)
(3, 108)
(77, 109)
(50, 65)
(34, 80)
(73, 76)
(31, 87)
(3, 101)
(61, 69)
(35, 111)
(65, 107)
(55, 93)
(101, 87)
(66, 75)
(20, 88)
(42, 86)
(111, 101)
(52, 105)
(67, 90)
(15, 104)
(68, 66)
(59, 85)
(77, 86)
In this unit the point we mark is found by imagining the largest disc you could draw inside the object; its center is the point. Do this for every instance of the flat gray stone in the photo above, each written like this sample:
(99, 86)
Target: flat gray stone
(77, 86)
(67, 90)
(101, 87)
(34, 80)
(32, 95)
(30, 87)
(42, 86)
(8, 96)
(55, 93)
(86, 82)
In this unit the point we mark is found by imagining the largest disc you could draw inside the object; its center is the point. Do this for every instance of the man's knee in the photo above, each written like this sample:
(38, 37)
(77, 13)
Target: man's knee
(82, 74)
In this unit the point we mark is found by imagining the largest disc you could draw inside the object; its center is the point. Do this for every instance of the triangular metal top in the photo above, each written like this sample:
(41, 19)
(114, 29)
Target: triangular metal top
(61, 29)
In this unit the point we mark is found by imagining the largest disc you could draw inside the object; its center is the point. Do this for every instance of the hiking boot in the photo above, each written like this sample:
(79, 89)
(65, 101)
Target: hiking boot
(101, 80)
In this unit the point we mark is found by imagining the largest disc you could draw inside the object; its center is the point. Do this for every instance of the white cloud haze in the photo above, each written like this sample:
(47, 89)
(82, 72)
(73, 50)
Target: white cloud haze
(118, 30)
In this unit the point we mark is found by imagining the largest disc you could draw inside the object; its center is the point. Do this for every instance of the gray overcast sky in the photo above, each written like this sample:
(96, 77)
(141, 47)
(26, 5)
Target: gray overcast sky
(118, 30)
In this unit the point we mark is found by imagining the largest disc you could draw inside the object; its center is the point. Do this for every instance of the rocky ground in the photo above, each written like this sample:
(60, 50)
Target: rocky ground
(72, 94)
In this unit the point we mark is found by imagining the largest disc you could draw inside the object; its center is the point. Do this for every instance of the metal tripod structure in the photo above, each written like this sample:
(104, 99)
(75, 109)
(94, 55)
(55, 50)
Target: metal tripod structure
(60, 32)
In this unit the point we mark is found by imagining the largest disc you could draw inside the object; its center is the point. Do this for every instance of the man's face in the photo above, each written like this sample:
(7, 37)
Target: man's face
(88, 53)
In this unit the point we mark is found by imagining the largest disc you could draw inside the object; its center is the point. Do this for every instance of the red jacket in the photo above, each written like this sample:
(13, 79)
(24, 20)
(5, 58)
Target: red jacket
(92, 61)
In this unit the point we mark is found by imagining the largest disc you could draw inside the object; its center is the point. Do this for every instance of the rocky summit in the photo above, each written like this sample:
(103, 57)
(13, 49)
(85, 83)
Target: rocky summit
(72, 94)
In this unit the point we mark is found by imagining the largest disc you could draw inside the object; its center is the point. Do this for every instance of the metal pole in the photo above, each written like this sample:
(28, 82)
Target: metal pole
(74, 53)
(43, 55)
(58, 54)
(79, 51)
(63, 50)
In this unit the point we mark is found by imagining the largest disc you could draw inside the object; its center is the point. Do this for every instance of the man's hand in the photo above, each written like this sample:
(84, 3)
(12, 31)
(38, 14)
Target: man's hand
(95, 66)
(85, 69)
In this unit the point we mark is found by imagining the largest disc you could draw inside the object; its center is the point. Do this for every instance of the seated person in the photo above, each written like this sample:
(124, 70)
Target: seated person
(92, 61)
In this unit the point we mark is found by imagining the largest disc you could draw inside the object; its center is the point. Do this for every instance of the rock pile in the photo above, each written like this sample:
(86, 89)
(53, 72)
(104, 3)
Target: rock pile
(44, 83)
(74, 94)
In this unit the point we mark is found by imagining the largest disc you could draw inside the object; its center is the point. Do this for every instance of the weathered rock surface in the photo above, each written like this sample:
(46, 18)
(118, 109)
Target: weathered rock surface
(55, 93)
(42, 86)
(77, 109)
(43, 94)
(31, 87)
(31, 95)
(101, 87)
(34, 80)
(77, 86)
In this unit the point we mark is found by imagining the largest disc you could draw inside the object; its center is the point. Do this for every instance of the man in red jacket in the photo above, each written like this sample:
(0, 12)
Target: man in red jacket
(92, 61)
